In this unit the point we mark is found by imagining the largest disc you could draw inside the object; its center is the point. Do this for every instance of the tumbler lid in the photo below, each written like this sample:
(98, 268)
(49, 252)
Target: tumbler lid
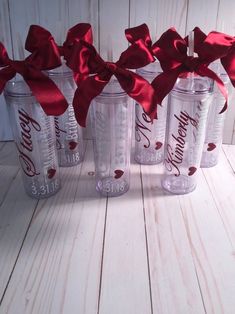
(17, 88)
(112, 89)
(152, 68)
(217, 67)
(62, 70)
(195, 85)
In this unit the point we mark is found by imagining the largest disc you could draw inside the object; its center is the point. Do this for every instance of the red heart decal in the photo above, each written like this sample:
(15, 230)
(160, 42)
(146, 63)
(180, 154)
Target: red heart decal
(211, 146)
(50, 173)
(118, 174)
(192, 170)
(72, 145)
(158, 145)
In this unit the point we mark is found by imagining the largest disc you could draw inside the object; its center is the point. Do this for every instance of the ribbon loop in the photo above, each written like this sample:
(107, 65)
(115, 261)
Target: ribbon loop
(171, 51)
(139, 33)
(43, 88)
(72, 47)
(134, 85)
(45, 54)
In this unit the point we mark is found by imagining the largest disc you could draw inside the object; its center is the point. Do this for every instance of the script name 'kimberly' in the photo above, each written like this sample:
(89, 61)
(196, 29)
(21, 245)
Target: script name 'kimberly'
(26, 143)
(175, 156)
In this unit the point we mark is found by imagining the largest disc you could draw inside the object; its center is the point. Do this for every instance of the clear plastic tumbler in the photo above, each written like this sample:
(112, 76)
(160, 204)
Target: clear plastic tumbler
(215, 122)
(69, 135)
(34, 136)
(187, 115)
(112, 125)
(150, 136)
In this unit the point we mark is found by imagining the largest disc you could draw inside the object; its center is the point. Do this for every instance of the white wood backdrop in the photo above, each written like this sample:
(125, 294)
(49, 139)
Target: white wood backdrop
(109, 18)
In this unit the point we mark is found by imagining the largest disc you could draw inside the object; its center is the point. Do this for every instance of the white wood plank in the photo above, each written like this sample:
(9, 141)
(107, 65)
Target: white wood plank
(113, 19)
(22, 14)
(174, 282)
(203, 14)
(58, 270)
(212, 251)
(226, 24)
(2, 144)
(54, 16)
(15, 214)
(88, 12)
(229, 151)
(8, 167)
(159, 15)
(5, 37)
(125, 282)
(221, 181)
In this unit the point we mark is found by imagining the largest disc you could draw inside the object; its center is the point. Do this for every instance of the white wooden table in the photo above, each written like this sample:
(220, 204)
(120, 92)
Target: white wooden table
(144, 252)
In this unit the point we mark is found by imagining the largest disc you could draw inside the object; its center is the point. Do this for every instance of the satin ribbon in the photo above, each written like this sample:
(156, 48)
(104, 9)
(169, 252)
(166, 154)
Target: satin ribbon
(71, 48)
(216, 46)
(44, 56)
(171, 51)
(81, 32)
(133, 84)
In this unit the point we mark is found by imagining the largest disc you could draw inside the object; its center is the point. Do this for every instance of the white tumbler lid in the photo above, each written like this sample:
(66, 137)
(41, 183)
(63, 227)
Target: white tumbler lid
(152, 68)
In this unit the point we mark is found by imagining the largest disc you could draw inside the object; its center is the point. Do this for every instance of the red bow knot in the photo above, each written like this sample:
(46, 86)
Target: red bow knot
(133, 84)
(111, 66)
(44, 56)
(191, 64)
(171, 51)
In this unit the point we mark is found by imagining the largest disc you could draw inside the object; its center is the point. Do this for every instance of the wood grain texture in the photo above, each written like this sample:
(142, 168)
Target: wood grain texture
(221, 181)
(174, 282)
(144, 252)
(125, 281)
(85, 11)
(226, 23)
(113, 19)
(54, 16)
(159, 15)
(58, 270)
(212, 251)
(8, 167)
(203, 14)
(15, 215)
(22, 15)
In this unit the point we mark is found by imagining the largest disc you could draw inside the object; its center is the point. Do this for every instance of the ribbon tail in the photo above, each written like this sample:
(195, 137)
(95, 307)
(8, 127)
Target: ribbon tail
(85, 93)
(204, 71)
(139, 89)
(164, 83)
(47, 94)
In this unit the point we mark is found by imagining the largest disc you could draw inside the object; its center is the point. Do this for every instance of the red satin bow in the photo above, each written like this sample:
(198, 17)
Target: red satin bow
(171, 51)
(81, 32)
(134, 85)
(216, 46)
(44, 56)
